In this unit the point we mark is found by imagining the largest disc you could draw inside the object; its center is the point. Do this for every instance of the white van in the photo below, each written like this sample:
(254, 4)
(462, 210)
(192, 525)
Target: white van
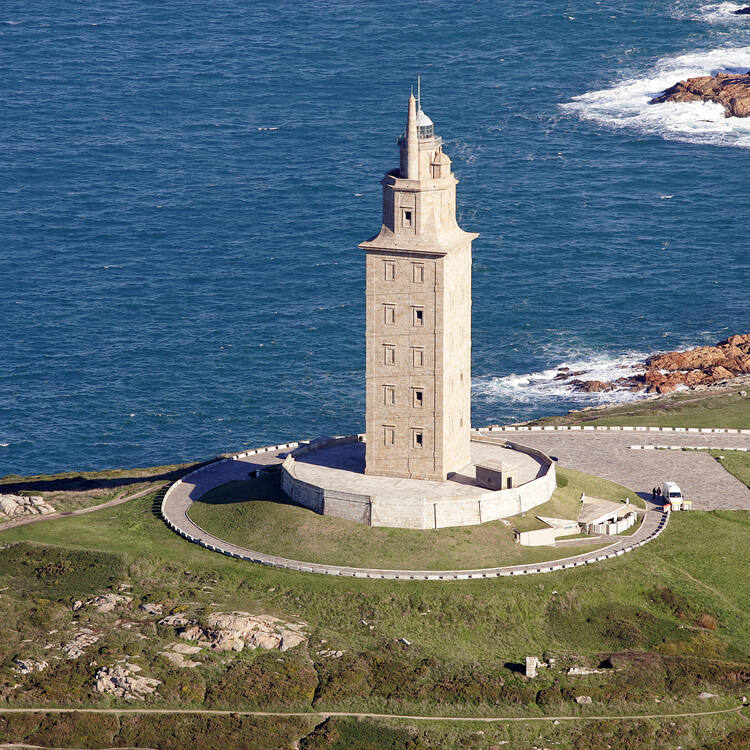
(671, 493)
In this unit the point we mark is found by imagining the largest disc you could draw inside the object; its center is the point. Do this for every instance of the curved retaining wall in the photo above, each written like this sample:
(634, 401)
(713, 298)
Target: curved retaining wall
(418, 513)
(177, 501)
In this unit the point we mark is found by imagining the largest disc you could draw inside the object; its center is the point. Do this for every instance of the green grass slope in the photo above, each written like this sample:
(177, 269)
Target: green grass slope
(257, 515)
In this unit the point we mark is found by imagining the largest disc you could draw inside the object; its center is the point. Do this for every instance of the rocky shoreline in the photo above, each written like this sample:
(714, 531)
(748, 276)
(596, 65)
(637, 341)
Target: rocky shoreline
(698, 368)
(730, 90)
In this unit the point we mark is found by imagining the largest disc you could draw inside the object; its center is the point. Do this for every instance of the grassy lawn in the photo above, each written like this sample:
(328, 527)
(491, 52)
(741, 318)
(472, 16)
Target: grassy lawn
(257, 515)
(686, 409)
(736, 463)
(672, 618)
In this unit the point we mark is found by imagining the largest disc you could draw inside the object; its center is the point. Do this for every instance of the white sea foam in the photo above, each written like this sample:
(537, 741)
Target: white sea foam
(542, 387)
(626, 104)
(721, 13)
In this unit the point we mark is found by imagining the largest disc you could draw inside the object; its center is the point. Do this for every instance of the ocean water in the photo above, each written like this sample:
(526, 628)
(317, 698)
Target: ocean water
(183, 186)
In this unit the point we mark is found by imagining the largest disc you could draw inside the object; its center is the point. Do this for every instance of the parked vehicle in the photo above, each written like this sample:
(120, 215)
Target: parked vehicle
(672, 494)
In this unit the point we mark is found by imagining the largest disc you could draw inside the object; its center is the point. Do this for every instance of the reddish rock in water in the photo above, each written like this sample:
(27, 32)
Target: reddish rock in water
(701, 366)
(730, 90)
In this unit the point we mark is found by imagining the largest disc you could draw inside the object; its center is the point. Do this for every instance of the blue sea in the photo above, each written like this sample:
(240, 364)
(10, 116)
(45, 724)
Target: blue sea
(183, 186)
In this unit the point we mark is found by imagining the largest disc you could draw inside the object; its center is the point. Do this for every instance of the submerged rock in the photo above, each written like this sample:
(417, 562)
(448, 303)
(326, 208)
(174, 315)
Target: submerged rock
(730, 90)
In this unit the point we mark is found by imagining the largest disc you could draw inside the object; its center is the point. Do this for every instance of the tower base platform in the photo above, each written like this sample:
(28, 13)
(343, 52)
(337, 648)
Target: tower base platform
(327, 476)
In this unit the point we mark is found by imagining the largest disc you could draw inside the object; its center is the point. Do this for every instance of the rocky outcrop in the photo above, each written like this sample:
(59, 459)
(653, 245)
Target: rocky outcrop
(176, 653)
(233, 631)
(699, 367)
(122, 681)
(730, 90)
(27, 666)
(103, 603)
(742, 11)
(81, 640)
(14, 506)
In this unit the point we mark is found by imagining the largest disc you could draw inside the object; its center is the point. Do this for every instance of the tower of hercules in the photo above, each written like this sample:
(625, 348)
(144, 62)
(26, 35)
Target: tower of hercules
(419, 317)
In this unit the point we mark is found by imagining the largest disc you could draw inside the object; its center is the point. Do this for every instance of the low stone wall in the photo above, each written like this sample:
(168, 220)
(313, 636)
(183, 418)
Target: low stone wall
(419, 513)
(616, 428)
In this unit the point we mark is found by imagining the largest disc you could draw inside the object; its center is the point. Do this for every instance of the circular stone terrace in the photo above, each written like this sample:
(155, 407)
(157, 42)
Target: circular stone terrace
(328, 477)
(181, 495)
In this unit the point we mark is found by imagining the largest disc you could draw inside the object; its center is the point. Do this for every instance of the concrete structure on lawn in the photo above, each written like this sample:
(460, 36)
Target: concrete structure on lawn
(596, 517)
(328, 476)
(419, 317)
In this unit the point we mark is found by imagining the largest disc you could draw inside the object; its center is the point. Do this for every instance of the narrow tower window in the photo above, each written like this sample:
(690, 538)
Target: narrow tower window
(389, 395)
(417, 356)
(418, 397)
(418, 438)
(418, 272)
(418, 314)
(389, 267)
(408, 218)
(389, 315)
(389, 354)
(389, 435)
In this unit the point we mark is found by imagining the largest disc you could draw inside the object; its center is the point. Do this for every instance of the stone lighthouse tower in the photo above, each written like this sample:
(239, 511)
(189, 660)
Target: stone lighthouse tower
(419, 317)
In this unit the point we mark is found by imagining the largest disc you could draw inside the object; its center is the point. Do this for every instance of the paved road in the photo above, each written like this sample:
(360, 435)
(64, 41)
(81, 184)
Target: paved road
(608, 454)
(183, 493)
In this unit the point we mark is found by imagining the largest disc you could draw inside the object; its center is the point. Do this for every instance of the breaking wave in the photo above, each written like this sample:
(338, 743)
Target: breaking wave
(721, 13)
(626, 104)
(553, 387)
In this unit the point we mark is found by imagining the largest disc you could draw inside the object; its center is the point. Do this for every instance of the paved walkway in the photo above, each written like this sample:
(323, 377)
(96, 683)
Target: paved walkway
(184, 492)
(363, 715)
(608, 454)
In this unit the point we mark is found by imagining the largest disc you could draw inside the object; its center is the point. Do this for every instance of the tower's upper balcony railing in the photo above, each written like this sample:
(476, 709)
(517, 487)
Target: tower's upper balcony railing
(434, 141)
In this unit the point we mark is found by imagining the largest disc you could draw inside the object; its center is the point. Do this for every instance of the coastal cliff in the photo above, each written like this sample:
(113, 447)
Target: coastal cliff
(730, 90)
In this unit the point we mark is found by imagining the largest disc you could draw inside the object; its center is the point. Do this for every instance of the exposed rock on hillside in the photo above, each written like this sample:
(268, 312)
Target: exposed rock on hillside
(84, 638)
(232, 631)
(13, 506)
(27, 666)
(730, 90)
(103, 603)
(699, 367)
(122, 682)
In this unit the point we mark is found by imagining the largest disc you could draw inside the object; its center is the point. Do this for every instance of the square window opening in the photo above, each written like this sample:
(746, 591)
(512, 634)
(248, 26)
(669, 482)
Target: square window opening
(418, 397)
(418, 439)
(418, 272)
(418, 316)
